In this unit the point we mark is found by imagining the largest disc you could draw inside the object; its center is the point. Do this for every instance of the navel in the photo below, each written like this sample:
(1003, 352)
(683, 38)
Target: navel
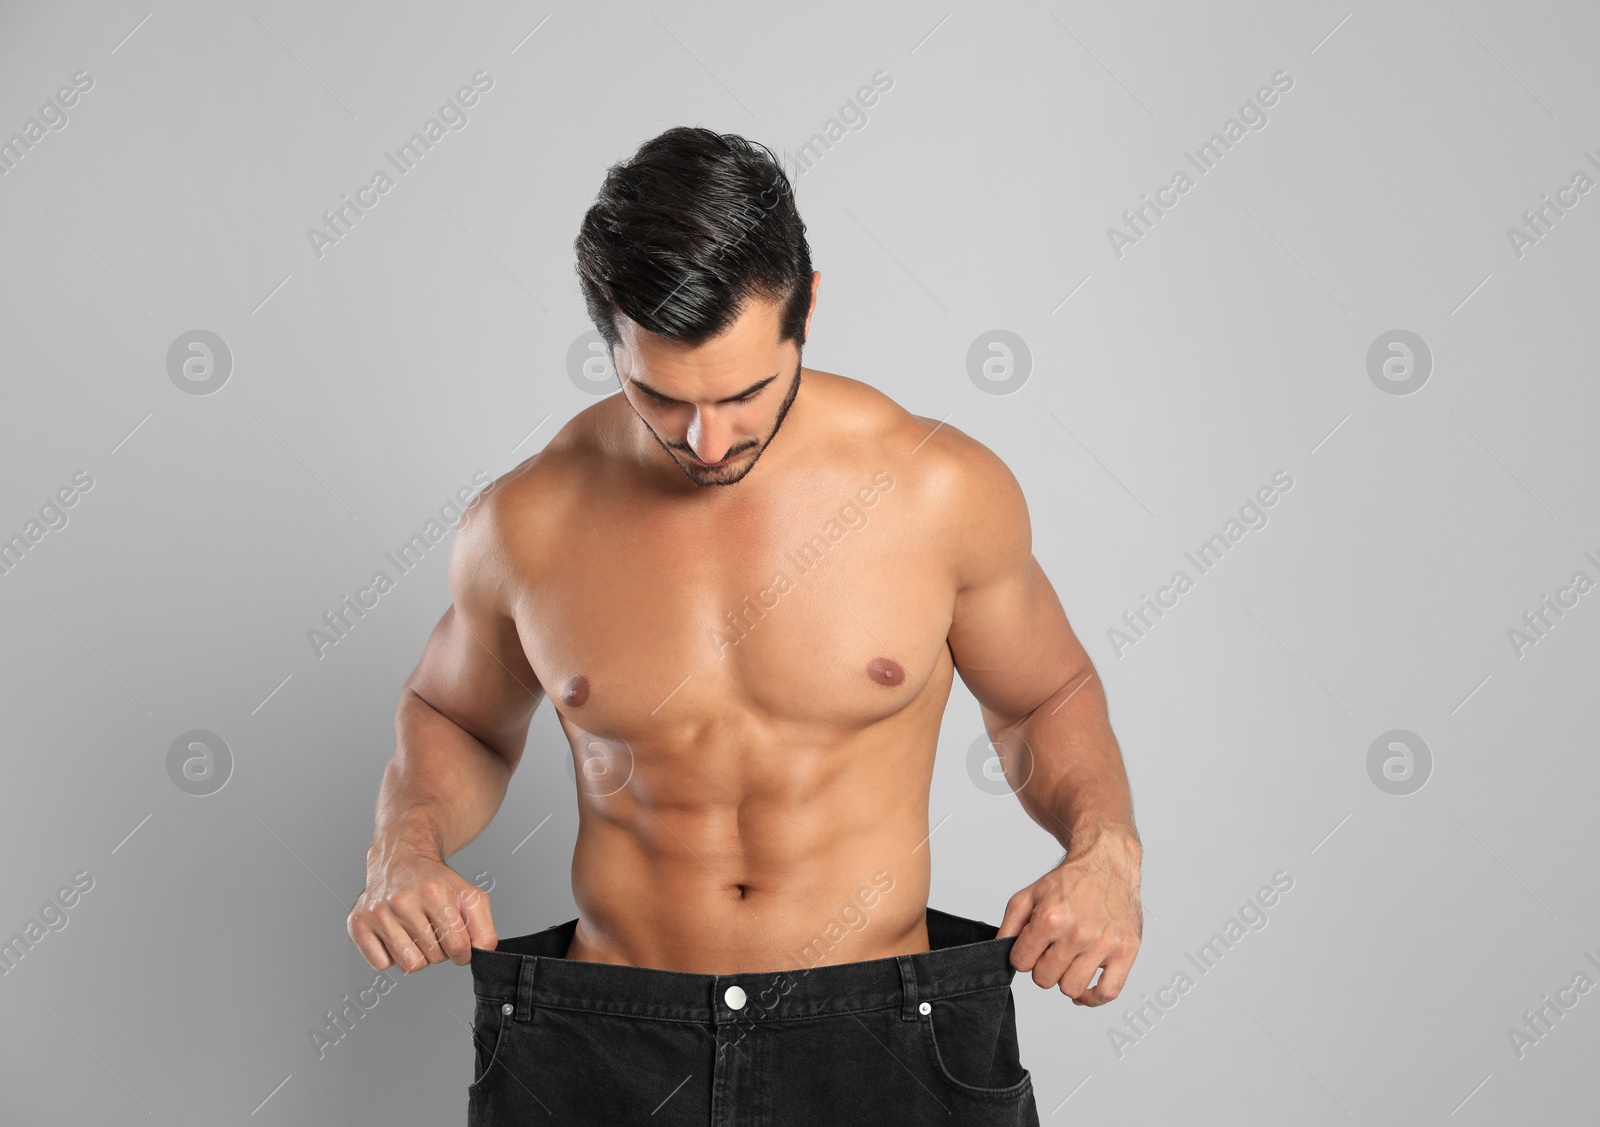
(885, 671)
(577, 691)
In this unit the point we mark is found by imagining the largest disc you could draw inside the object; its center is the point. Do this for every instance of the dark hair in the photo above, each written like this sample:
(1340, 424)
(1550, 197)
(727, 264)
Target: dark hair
(687, 229)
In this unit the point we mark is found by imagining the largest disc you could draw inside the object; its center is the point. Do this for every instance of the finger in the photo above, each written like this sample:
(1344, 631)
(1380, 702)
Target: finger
(1032, 944)
(368, 943)
(1051, 922)
(418, 909)
(1018, 909)
(474, 905)
(1112, 980)
(399, 928)
(445, 919)
(1054, 962)
(1075, 978)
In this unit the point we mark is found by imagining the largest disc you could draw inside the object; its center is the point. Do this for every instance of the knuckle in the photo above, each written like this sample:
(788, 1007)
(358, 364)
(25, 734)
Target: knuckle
(1053, 918)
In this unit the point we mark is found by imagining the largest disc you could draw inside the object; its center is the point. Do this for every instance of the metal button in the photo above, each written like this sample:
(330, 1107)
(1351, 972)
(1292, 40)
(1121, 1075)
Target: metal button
(925, 1009)
(506, 1008)
(734, 997)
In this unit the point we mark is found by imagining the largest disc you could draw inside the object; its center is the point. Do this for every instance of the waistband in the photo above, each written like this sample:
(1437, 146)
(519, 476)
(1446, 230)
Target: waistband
(530, 970)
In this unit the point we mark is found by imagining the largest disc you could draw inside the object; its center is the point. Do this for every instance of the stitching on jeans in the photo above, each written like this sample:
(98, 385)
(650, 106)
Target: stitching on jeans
(997, 1095)
(908, 988)
(494, 1055)
(525, 977)
(707, 1021)
(878, 1008)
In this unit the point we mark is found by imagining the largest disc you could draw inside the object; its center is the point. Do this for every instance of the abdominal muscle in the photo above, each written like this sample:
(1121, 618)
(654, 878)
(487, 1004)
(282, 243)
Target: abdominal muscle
(821, 863)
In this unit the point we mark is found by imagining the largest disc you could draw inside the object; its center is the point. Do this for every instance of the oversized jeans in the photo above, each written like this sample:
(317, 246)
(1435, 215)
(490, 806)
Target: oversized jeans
(926, 1038)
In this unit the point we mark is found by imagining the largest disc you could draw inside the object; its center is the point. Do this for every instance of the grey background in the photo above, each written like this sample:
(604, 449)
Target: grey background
(1174, 381)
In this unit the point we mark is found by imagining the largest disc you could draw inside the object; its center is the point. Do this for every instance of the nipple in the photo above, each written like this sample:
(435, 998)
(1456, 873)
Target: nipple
(577, 691)
(885, 671)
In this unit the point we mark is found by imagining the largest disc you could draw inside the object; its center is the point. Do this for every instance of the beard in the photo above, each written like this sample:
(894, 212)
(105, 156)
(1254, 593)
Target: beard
(743, 459)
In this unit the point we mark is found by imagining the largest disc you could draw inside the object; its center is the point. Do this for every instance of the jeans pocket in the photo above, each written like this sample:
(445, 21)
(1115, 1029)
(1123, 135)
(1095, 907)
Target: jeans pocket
(489, 1022)
(972, 1042)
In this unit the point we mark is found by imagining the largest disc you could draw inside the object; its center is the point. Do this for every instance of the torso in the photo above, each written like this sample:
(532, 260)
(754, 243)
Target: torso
(752, 679)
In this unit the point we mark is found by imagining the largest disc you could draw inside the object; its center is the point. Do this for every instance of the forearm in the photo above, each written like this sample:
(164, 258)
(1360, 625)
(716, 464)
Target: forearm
(1078, 789)
(440, 789)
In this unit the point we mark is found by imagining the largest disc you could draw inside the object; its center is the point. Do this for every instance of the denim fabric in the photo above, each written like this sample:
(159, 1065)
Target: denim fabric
(926, 1038)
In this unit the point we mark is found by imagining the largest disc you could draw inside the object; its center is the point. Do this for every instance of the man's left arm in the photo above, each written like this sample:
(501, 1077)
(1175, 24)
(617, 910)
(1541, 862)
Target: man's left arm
(1045, 711)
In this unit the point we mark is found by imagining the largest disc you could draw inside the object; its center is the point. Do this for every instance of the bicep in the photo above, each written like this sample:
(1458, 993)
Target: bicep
(1009, 635)
(474, 671)
(1012, 643)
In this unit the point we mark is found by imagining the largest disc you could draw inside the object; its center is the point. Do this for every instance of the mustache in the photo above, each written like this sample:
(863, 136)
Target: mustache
(725, 457)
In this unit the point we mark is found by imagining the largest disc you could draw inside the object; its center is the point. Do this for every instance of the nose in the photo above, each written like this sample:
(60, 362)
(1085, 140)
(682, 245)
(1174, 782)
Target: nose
(710, 436)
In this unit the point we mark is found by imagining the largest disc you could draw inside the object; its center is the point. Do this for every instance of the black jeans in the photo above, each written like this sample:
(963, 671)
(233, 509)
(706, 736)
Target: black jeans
(927, 1038)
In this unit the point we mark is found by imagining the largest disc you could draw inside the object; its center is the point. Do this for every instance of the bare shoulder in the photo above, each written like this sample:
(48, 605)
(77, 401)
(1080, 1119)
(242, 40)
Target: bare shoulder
(941, 463)
(969, 505)
(522, 509)
(982, 509)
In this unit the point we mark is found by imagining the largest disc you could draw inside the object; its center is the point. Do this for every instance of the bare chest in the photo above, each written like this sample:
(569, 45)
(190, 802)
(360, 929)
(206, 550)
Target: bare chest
(827, 614)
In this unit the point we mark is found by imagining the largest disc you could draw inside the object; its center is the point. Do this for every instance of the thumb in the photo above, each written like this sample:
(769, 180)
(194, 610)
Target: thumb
(474, 905)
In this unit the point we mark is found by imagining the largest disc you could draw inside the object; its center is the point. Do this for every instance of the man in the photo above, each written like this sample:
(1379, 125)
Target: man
(745, 587)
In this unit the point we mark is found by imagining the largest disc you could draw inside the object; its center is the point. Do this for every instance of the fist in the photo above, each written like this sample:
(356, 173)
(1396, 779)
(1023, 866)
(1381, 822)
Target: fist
(416, 910)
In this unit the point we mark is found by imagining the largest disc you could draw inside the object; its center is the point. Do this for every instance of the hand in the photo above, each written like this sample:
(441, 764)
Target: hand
(416, 911)
(1079, 917)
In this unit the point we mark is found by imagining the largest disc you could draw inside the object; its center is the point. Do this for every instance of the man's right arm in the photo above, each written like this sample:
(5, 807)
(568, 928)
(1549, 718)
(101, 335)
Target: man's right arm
(460, 728)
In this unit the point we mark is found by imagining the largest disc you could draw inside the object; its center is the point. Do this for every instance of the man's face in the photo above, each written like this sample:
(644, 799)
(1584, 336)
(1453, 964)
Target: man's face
(714, 408)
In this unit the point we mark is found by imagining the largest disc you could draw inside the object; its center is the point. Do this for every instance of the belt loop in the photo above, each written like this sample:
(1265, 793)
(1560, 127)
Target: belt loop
(525, 976)
(908, 988)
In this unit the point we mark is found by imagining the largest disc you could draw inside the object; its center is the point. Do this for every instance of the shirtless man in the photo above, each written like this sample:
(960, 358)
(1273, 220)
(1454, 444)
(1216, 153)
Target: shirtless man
(746, 586)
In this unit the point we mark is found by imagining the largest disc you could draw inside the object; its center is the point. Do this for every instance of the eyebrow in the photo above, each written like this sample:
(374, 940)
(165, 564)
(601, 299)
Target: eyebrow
(656, 395)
